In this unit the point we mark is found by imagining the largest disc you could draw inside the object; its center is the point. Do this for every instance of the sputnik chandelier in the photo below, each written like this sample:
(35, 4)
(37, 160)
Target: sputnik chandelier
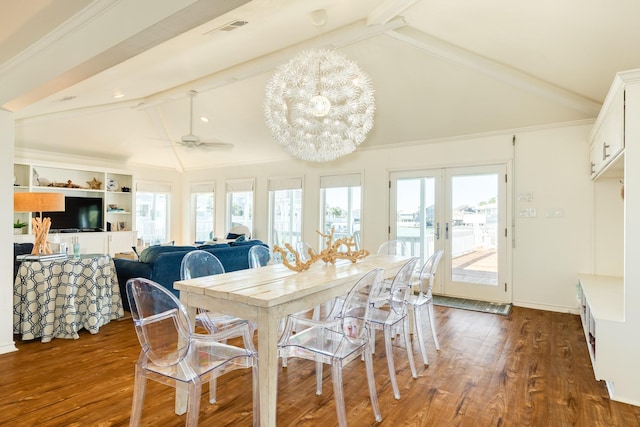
(319, 105)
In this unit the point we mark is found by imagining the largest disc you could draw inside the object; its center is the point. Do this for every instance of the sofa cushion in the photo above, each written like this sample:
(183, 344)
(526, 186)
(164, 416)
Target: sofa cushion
(150, 254)
(213, 246)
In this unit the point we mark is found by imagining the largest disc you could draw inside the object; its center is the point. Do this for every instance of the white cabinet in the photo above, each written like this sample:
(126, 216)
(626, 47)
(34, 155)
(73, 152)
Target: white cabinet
(607, 137)
(115, 188)
(609, 296)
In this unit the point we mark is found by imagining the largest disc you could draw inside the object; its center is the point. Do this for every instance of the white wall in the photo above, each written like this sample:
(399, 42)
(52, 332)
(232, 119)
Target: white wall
(6, 232)
(551, 164)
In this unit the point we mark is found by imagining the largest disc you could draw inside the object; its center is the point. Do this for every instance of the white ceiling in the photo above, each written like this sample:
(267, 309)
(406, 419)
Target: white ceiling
(440, 69)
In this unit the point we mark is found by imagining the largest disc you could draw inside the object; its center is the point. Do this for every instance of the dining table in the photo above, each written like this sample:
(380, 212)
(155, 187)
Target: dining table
(268, 294)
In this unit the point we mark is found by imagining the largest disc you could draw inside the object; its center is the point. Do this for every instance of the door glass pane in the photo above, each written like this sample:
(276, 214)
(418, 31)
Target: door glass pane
(203, 207)
(152, 218)
(415, 215)
(286, 217)
(474, 229)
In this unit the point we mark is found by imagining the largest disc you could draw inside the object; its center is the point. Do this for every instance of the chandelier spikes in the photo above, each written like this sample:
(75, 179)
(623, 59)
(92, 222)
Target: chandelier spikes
(319, 105)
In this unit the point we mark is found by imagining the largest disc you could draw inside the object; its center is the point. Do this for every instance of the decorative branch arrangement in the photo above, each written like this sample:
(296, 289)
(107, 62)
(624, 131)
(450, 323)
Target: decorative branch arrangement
(330, 254)
(41, 230)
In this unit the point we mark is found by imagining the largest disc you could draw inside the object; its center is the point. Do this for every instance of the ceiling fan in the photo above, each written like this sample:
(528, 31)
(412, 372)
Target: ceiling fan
(192, 140)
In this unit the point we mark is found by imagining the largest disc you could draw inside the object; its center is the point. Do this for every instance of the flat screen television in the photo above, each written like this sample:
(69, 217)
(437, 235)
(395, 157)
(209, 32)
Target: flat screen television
(80, 214)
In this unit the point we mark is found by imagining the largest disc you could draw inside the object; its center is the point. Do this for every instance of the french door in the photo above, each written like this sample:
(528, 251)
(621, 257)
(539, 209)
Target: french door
(462, 211)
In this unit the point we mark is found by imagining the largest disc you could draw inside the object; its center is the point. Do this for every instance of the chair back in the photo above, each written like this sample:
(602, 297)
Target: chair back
(160, 320)
(259, 256)
(393, 247)
(238, 230)
(303, 249)
(355, 315)
(199, 263)
(428, 272)
(400, 287)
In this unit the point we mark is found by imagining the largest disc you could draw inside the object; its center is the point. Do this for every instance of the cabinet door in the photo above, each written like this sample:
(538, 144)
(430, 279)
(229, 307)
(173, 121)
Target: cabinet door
(120, 241)
(608, 141)
(595, 157)
(92, 243)
(613, 142)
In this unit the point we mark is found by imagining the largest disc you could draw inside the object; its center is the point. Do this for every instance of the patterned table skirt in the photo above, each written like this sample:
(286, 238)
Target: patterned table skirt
(57, 298)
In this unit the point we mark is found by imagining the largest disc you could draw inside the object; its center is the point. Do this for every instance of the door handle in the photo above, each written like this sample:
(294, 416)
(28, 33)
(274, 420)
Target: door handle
(437, 231)
(446, 230)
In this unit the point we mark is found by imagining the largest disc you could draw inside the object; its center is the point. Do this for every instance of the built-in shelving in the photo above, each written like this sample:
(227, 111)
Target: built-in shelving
(114, 187)
(608, 297)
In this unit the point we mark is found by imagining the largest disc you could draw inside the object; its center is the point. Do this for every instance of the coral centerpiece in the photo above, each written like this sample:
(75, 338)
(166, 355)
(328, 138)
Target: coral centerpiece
(330, 254)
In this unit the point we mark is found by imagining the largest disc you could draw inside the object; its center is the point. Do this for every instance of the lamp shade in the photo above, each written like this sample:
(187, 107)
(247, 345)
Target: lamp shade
(38, 202)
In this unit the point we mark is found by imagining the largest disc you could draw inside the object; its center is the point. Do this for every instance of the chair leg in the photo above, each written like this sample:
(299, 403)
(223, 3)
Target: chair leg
(139, 387)
(336, 373)
(432, 321)
(193, 406)
(417, 316)
(318, 377)
(368, 359)
(409, 347)
(213, 383)
(388, 333)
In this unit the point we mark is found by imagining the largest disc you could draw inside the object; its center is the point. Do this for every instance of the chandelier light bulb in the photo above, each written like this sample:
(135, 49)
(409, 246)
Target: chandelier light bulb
(320, 106)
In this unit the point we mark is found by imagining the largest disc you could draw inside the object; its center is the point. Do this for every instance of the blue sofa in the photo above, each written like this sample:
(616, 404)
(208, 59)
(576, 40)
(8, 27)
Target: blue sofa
(162, 263)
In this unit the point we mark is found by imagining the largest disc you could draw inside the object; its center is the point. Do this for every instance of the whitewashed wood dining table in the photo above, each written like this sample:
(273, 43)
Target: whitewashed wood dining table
(267, 294)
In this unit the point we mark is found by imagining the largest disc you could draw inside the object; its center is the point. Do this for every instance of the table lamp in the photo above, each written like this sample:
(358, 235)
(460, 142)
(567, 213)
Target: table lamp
(39, 202)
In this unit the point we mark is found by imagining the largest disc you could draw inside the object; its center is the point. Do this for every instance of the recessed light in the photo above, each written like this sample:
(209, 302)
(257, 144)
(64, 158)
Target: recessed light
(118, 95)
(204, 119)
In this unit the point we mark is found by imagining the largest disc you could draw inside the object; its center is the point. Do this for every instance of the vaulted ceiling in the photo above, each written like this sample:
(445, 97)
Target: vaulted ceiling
(440, 69)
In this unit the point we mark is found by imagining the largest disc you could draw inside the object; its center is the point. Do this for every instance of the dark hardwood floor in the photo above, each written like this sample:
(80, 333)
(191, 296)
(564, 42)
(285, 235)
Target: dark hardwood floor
(528, 369)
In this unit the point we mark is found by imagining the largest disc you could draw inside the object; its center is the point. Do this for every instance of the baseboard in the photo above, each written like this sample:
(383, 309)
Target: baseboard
(546, 307)
(8, 347)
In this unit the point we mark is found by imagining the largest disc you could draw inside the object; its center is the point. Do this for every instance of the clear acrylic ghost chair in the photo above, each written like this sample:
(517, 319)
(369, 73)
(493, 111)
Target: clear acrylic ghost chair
(342, 338)
(239, 230)
(392, 318)
(424, 301)
(394, 247)
(174, 355)
(259, 256)
(304, 251)
(221, 326)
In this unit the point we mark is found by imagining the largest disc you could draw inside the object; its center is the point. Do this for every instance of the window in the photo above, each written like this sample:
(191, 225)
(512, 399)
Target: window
(152, 213)
(341, 204)
(202, 203)
(285, 211)
(240, 203)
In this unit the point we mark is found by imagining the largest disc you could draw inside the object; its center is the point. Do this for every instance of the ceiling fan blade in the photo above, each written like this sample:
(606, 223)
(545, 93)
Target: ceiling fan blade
(205, 145)
(216, 144)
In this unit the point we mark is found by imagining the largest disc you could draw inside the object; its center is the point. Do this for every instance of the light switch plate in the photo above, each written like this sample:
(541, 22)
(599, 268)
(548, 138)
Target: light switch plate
(527, 213)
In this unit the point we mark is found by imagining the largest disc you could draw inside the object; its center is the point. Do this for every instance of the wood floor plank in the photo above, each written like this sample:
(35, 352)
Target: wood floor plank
(531, 368)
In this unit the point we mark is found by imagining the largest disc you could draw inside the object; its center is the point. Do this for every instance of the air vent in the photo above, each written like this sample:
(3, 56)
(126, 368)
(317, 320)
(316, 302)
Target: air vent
(65, 99)
(228, 27)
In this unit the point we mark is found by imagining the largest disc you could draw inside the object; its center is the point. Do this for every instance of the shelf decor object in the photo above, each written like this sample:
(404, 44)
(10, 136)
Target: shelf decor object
(39, 202)
(319, 105)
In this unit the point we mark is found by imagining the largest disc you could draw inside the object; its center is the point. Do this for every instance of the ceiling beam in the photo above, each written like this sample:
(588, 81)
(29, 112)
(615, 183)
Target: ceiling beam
(388, 10)
(343, 36)
(84, 45)
(494, 69)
